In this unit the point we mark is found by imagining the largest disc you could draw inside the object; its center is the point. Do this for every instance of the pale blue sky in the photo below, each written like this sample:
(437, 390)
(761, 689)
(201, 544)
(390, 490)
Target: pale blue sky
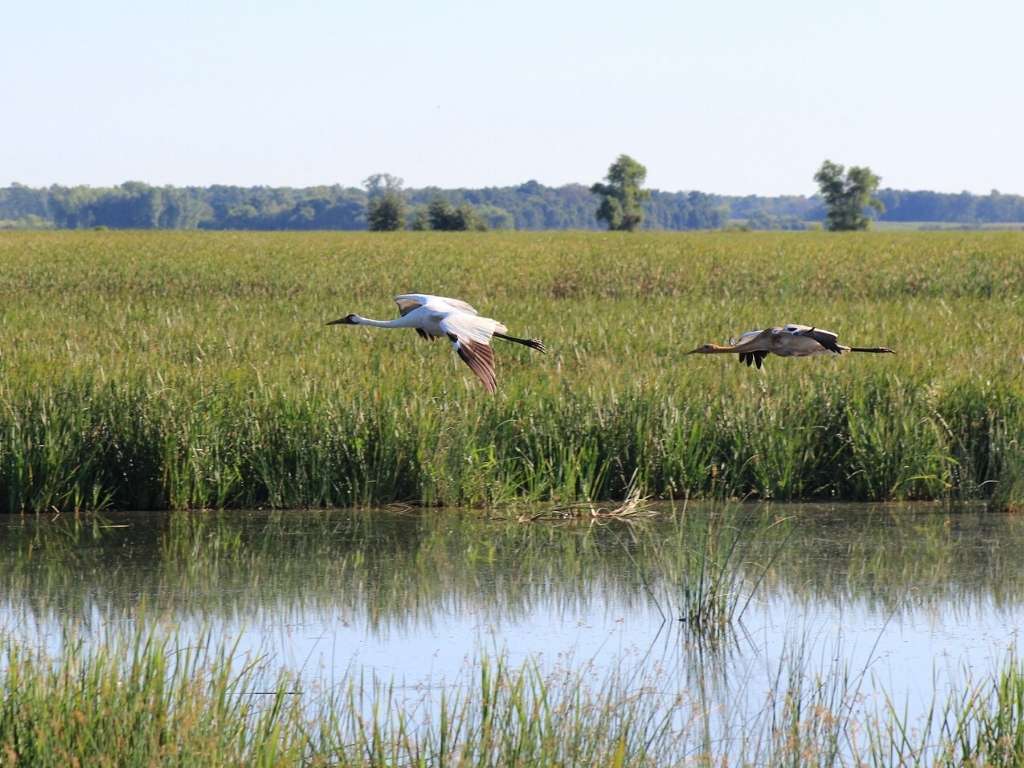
(729, 97)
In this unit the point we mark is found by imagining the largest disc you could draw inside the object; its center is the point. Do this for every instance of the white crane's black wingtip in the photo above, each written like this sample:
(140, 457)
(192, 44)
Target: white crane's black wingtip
(480, 359)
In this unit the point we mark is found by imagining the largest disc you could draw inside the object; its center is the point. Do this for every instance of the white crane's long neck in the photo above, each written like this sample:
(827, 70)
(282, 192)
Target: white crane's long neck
(398, 322)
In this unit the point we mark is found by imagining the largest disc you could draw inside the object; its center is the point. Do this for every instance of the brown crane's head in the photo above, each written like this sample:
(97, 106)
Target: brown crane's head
(708, 349)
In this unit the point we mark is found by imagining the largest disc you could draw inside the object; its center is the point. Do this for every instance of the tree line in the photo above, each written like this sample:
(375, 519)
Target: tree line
(530, 206)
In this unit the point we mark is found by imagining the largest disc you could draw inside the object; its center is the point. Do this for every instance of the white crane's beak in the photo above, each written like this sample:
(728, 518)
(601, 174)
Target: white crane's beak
(346, 320)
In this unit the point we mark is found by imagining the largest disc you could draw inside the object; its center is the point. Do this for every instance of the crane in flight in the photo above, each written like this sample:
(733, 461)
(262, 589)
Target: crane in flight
(787, 341)
(435, 317)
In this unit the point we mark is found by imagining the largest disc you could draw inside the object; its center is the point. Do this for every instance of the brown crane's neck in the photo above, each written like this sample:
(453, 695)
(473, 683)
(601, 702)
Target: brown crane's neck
(714, 349)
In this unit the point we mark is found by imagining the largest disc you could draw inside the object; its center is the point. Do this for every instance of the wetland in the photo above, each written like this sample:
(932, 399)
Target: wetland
(237, 536)
(871, 612)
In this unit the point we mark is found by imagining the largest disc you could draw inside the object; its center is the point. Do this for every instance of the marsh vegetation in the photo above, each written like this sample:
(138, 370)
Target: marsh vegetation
(182, 370)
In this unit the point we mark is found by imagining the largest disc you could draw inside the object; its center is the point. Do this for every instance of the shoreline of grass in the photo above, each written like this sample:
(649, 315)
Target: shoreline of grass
(92, 446)
(143, 700)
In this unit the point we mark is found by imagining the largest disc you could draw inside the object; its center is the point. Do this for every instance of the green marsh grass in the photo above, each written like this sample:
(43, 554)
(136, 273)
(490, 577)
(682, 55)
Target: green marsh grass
(191, 370)
(140, 699)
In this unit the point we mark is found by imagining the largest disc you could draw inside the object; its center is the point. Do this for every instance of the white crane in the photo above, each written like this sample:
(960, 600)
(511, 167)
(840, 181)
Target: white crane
(787, 341)
(437, 317)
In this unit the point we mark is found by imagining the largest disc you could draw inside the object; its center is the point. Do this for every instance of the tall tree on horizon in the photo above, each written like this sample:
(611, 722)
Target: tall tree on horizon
(622, 196)
(847, 196)
(385, 206)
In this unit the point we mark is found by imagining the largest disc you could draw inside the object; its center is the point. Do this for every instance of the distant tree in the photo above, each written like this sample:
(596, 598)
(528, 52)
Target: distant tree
(420, 219)
(622, 197)
(385, 213)
(444, 217)
(466, 219)
(495, 217)
(440, 214)
(763, 220)
(846, 196)
(379, 183)
(385, 207)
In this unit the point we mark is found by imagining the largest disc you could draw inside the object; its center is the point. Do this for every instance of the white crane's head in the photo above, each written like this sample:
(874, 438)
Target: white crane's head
(349, 319)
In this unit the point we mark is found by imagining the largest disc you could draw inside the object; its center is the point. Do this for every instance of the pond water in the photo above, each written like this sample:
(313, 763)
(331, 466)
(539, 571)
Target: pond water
(910, 599)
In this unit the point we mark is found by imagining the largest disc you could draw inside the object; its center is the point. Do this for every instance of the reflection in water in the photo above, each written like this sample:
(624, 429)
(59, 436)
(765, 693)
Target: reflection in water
(903, 596)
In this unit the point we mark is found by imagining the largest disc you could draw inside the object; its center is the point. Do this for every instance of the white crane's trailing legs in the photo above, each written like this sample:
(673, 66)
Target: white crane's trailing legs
(437, 317)
(787, 341)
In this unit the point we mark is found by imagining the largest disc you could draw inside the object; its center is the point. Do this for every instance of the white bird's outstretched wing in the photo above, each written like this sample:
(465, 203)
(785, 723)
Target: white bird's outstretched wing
(471, 338)
(459, 304)
(407, 302)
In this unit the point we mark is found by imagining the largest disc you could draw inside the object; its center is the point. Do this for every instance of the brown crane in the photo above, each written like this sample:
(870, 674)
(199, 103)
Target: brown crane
(791, 340)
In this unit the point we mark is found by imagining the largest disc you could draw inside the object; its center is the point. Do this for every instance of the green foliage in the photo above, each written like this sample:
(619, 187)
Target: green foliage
(530, 206)
(622, 196)
(761, 220)
(420, 219)
(846, 197)
(155, 370)
(495, 217)
(444, 217)
(385, 208)
(386, 213)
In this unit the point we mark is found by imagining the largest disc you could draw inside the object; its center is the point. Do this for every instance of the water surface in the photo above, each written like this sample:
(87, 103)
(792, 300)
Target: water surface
(910, 598)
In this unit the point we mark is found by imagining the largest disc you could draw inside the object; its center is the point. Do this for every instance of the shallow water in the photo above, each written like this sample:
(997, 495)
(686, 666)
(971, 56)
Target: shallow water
(912, 599)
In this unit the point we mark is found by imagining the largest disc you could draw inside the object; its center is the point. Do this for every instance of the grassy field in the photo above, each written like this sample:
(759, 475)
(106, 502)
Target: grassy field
(157, 370)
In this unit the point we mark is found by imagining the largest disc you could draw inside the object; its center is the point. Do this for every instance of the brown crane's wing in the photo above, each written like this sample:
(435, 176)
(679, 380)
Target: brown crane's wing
(753, 345)
(827, 339)
(753, 358)
(754, 341)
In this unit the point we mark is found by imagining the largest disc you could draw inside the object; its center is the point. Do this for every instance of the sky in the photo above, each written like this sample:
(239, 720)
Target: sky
(723, 97)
